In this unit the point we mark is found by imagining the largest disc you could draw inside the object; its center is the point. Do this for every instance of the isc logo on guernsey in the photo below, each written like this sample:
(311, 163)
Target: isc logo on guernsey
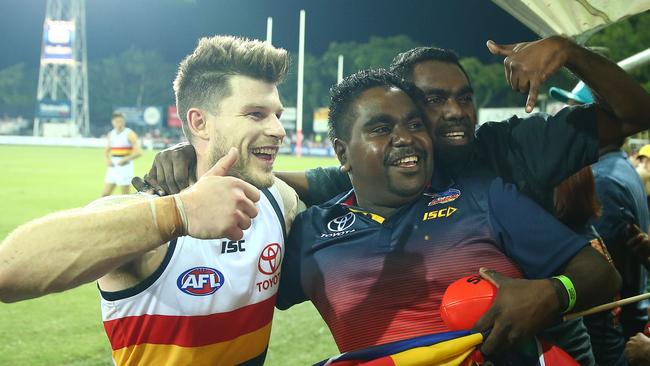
(200, 281)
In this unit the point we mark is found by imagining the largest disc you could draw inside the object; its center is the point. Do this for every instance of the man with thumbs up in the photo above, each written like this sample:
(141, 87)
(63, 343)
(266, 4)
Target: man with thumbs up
(191, 278)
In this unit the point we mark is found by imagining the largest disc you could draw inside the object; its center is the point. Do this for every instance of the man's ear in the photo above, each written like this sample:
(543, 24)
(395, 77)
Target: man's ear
(341, 150)
(197, 122)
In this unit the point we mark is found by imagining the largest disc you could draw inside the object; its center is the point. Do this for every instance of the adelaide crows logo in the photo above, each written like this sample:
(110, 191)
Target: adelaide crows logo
(200, 281)
(443, 197)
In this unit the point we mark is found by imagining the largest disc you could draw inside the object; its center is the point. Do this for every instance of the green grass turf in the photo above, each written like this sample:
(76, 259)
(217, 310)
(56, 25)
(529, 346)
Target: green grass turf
(66, 329)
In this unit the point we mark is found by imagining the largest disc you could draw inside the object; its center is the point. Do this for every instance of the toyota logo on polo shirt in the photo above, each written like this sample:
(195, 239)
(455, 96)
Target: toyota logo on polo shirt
(270, 259)
(342, 222)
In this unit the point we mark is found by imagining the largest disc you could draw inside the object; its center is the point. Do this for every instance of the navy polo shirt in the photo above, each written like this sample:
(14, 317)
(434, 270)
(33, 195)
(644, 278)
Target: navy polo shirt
(377, 280)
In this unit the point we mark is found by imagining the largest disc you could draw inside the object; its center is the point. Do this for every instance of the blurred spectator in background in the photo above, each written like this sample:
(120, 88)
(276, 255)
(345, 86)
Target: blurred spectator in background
(624, 216)
(576, 205)
(643, 167)
(122, 148)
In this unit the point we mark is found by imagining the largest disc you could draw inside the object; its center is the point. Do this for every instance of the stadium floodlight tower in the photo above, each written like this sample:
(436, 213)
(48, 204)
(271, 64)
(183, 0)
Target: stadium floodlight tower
(62, 95)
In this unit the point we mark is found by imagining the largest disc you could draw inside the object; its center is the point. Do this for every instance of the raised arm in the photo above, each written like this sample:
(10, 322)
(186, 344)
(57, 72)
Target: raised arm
(623, 106)
(66, 249)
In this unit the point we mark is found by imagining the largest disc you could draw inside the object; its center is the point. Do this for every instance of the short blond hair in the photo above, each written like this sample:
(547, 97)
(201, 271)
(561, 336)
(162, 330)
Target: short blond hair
(202, 77)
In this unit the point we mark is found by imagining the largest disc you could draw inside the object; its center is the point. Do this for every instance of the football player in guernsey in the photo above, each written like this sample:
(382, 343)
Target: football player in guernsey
(375, 261)
(188, 279)
(122, 148)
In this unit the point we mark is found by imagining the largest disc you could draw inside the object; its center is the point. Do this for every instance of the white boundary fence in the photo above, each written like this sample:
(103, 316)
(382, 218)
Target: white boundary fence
(52, 141)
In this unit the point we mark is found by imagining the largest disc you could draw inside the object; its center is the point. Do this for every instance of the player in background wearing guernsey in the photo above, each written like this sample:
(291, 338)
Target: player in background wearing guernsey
(122, 148)
(375, 261)
(188, 279)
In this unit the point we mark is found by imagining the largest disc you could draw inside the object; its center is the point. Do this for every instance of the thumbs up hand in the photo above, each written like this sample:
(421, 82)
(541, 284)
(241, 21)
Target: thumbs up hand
(529, 64)
(219, 206)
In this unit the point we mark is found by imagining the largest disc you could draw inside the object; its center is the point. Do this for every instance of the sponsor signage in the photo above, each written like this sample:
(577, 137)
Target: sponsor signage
(54, 110)
(320, 120)
(340, 226)
(288, 118)
(270, 259)
(173, 120)
(147, 116)
(437, 214)
(269, 264)
(58, 38)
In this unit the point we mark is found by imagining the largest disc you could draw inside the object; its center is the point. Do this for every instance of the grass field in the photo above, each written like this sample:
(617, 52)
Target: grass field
(66, 329)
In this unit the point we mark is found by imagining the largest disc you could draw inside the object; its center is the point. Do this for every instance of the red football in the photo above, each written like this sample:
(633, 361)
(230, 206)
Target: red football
(465, 301)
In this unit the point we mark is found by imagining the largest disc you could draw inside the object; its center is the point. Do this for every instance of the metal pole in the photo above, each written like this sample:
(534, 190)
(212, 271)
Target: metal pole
(269, 30)
(339, 74)
(635, 61)
(301, 70)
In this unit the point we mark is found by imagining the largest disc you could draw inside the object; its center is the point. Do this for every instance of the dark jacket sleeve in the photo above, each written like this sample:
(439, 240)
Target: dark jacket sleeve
(324, 184)
(290, 291)
(538, 152)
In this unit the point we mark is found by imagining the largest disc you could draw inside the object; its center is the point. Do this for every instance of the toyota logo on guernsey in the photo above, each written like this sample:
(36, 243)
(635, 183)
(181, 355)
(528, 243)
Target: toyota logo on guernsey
(270, 259)
(269, 263)
(342, 222)
(200, 281)
(340, 225)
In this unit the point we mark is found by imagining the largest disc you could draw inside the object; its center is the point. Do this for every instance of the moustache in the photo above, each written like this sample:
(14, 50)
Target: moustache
(395, 154)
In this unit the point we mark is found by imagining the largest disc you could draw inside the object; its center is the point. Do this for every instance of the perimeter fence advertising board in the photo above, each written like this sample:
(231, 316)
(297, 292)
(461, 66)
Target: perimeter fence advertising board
(146, 116)
(54, 110)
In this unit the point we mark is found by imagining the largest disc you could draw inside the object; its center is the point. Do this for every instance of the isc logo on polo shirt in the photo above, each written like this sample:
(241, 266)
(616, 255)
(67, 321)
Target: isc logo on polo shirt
(436, 214)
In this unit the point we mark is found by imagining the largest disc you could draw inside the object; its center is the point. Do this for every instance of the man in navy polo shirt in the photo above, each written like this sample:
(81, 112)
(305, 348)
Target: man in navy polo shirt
(375, 261)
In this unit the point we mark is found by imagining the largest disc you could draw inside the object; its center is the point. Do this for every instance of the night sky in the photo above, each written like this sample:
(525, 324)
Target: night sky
(172, 27)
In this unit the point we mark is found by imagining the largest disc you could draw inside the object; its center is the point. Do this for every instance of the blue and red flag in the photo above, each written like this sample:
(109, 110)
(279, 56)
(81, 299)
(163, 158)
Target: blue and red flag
(458, 348)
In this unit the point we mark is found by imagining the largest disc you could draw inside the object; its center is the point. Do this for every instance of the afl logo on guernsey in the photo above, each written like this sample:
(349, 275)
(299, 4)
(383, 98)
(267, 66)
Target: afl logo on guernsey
(270, 259)
(443, 197)
(200, 281)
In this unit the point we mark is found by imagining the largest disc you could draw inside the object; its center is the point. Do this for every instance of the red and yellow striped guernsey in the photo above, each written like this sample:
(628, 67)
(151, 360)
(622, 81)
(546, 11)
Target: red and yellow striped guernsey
(119, 142)
(210, 302)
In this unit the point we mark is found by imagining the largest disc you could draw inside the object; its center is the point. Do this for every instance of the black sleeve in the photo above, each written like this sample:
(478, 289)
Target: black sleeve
(290, 292)
(324, 184)
(538, 152)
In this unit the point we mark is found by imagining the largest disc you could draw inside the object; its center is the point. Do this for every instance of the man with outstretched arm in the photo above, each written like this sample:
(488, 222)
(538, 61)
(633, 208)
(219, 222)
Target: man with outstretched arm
(537, 152)
(375, 261)
(191, 278)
